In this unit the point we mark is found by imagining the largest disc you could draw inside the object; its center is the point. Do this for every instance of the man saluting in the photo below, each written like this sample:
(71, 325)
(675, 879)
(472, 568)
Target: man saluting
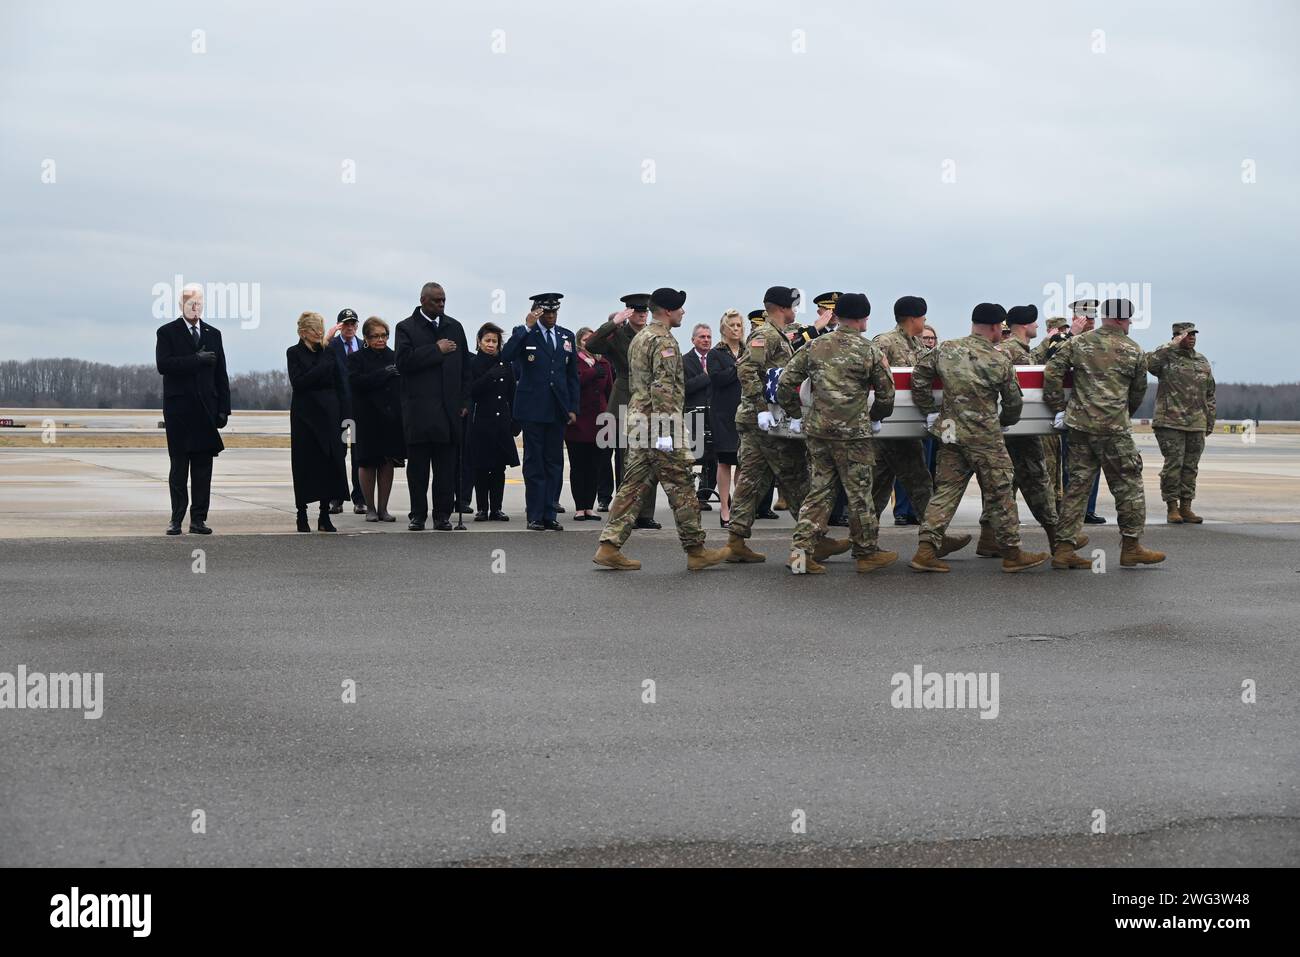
(196, 404)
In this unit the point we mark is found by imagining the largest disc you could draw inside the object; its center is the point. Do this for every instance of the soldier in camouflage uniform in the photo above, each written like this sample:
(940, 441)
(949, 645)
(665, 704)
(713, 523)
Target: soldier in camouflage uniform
(658, 393)
(1058, 330)
(1185, 413)
(763, 456)
(975, 374)
(1027, 460)
(902, 459)
(1110, 380)
(843, 367)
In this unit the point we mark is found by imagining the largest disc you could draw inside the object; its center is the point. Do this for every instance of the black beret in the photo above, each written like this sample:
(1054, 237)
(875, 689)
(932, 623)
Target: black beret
(988, 314)
(347, 315)
(547, 301)
(909, 307)
(667, 298)
(756, 314)
(640, 301)
(853, 305)
(1117, 309)
(782, 296)
(1022, 315)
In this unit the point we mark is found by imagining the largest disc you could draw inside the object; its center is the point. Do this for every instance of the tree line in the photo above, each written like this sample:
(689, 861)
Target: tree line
(79, 384)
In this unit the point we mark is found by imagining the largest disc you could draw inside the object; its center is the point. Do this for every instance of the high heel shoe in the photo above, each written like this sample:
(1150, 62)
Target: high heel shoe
(724, 522)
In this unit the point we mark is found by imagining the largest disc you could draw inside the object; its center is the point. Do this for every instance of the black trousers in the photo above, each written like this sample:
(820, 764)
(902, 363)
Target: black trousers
(620, 461)
(489, 489)
(441, 457)
(605, 477)
(585, 461)
(190, 468)
(708, 477)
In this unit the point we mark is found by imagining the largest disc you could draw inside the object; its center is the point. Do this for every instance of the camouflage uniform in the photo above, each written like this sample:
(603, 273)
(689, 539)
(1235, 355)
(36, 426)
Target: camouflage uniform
(1110, 380)
(844, 367)
(975, 374)
(1027, 460)
(613, 340)
(658, 387)
(1040, 354)
(762, 455)
(1185, 414)
(901, 459)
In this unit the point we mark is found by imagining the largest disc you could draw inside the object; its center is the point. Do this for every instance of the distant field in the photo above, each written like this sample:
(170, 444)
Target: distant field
(70, 439)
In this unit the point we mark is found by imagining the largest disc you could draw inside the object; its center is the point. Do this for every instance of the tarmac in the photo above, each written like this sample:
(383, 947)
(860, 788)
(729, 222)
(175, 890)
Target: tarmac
(502, 717)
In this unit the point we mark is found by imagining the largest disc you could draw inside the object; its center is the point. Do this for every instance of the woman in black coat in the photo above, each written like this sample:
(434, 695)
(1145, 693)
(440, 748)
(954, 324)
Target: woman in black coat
(316, 448)
(724, 399)
(492, 428)
(377, 408)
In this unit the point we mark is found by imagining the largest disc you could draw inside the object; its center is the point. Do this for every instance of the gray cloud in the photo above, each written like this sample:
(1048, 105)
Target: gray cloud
(522, 171)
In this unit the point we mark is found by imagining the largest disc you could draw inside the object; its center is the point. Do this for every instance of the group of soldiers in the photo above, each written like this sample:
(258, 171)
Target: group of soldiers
(835, 448)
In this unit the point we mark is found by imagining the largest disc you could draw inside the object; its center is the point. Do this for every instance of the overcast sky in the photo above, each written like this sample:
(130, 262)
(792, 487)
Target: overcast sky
(935, 149)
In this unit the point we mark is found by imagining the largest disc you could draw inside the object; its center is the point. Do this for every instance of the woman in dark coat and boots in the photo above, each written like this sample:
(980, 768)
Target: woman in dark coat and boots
(492, 428)
(724, 399)
(595, 382)
(315, 427)
(377, 406)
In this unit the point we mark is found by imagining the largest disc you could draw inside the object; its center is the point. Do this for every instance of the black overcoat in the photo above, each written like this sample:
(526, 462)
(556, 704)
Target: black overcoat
(194, 394)
(316, 437)
(434, 384)
(376, 406)
(492, 427)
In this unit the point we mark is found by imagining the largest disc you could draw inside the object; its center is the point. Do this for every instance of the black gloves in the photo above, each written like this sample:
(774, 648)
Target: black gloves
(222, 419)
(391, 370)
(207, 358)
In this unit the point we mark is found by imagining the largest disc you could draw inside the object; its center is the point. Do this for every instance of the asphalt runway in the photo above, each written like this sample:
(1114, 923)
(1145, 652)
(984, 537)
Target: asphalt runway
(521, 691)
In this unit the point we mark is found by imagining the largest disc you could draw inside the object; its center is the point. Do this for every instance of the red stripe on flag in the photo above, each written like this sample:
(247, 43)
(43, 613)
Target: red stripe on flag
(1030, 377)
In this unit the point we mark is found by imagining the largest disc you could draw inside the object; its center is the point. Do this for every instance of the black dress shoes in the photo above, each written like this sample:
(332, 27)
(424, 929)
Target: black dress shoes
(198, 528)
(705, 507)
(647, 523)
(498, 516)
(558, 509)
(441, 525)
(553, 526)
(1092, 518)
(336, 508)
(603, 507)
(536, 527)
(481, 516)
(768, 514)
(358, 509)
(415, 525)
(174, 528)
(839, 521)
(901, 520)
(323, 523)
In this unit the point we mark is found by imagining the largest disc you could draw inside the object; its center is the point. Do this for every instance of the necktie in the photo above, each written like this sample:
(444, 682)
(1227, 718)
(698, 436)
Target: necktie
(550, 338)
(195, 329)
(704, 362)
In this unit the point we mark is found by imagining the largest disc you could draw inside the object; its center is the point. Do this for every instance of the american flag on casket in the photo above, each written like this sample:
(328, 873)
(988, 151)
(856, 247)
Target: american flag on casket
(908, 422)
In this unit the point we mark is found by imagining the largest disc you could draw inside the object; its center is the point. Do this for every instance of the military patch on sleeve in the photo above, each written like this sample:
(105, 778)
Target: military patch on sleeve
(757, 343)
(667, 354)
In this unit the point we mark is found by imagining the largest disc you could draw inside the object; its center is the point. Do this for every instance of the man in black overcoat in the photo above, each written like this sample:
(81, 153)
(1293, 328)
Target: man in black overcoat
(196, 404)
(433, 362)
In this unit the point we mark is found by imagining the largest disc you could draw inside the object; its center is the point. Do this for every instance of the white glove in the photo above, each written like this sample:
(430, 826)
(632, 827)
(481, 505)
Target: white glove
(664, 443)
(930, 419)
(876, 426)
(795, 425)
(766, 420)
(1059, 422)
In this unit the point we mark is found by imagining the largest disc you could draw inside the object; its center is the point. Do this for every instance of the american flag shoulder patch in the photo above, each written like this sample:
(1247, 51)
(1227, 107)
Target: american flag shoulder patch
(667, 354)
(757, 343)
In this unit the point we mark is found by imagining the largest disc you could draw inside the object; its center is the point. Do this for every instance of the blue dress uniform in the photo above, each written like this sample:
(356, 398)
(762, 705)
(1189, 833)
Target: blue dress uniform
(545, 361)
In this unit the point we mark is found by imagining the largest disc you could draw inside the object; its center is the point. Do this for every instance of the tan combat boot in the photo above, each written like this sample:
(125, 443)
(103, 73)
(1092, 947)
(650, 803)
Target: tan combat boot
(801, 563)
(780, 505)
(1014, 560)
(1063, 556)
(697, 557)
(876, 560)
(1132, 553)
(952, 543)
(987, 546)
(1174, 517)
(830, 546)
(609, 556)
(738, 550)
(1185, 511)
(925, 559)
